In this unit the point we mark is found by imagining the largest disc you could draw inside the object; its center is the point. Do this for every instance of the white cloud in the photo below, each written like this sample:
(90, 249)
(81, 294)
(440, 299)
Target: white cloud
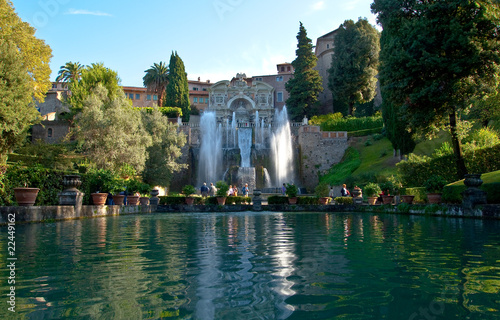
(318, 6)
(88, 12)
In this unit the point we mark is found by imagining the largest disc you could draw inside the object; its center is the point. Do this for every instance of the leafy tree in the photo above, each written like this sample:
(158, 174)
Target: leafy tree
(354, 63)
(163, 154)
(71, 71)
(156, 80)
(111, 132)
(17, 112)
(487, 108)
(33, 52)
(177, 88)
(436, 56)
(306, 83)
(92, 76)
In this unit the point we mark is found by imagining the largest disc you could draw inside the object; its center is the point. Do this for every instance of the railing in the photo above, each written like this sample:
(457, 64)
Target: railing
(238, 125)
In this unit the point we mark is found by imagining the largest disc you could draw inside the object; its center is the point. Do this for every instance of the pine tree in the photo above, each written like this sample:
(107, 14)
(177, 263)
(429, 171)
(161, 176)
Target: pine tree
(178, 88)
(306, 83)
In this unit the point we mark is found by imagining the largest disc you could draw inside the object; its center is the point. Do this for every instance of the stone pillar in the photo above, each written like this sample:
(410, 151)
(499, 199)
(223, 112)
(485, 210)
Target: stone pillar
(473, 196)
(257, 200)
(154, 200)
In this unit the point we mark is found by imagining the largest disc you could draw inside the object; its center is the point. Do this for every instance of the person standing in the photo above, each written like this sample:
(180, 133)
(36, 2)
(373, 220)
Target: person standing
(244, 190)
(344, 192)
(230, 192)
(213, 190)
(204, 190)
(283, 190)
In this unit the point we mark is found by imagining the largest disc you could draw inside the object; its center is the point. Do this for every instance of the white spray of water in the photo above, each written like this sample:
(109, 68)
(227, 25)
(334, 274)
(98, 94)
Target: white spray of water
(281, 148)
(210, 160)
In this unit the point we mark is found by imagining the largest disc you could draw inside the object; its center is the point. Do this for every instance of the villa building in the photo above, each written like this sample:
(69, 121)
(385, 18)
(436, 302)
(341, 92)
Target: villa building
(278, 81)
(324, 52)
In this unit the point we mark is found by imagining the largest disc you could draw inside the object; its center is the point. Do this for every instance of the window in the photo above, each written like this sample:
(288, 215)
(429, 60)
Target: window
(204, 89)
(282, 69)
(155, 97)
(195, 100)
(195, 89)
(148, 97)
(137, 96)
(327, 46)
(131, 96)
(288, 68)
(258, 79)
(49, 132)
(279, 78)
(54, 86)
(206, 100)
(279, 97)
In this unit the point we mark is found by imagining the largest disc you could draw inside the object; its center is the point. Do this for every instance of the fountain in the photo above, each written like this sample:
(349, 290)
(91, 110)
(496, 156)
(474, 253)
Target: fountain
(209, 164)
(281, 148)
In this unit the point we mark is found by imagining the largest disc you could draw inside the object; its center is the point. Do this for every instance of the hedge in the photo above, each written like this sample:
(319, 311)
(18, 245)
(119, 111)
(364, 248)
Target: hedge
(277, 200)
(353, 124)
(343, 200)
(365, 132)
(419, 193)
(415, 173)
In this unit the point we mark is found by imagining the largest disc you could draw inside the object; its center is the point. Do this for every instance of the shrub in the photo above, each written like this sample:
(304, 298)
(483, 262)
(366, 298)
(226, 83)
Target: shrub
(172, 199)
(222, 188)
(307, 200)
(188, 190)
(353, 124)
(211, 201)
(291, 190)
(322, 189)
(419, 193)
(434, 184)
(372, 190)
(343, 200)
(277, 200)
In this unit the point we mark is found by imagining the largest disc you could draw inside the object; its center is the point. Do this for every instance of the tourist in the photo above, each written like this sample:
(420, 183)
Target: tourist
(204, 190)
(235, 191)
(331, 192)
(283, 189)
(244, 190)
(213, 190)
(344, 192)
(230, 192)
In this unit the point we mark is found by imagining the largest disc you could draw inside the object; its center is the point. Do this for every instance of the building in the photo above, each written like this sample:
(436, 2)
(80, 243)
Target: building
(278, 81)
(324, 52)
(141, 97)
(198, 93)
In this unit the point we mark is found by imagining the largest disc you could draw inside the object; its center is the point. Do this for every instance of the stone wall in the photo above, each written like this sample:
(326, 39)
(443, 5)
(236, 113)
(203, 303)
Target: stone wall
(50, 131)
(319, 151)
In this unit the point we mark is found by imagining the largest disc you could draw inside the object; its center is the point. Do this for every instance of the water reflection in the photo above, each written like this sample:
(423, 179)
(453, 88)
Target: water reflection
(257, 266)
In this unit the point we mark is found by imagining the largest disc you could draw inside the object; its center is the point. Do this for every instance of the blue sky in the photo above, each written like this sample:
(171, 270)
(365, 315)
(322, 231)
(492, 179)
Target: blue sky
(216, 38)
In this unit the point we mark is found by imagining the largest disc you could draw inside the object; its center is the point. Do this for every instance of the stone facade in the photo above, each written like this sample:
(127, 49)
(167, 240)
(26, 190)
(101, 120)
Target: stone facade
(51, 131)
(324, 52)
(319, 151)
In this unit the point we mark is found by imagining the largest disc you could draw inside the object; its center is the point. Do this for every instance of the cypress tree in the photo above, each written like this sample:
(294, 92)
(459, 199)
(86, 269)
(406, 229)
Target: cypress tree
(177, 88)
(306, 83)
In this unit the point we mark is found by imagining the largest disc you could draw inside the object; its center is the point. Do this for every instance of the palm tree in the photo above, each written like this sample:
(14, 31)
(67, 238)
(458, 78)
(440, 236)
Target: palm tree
(71, 71)
(156, 80)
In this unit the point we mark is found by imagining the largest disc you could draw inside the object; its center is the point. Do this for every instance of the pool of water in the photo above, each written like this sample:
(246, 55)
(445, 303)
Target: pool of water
(255, 266)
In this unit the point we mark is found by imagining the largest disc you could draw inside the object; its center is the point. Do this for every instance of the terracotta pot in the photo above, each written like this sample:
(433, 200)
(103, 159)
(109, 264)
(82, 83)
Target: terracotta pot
(372, 200)
(324, 200)
(144, 201)
(118, 199)
(407, 199)
(189, 201)
(99, 199)
(26, 196)
(387, 199)
(434, 198)
(132, 200)
(292, 200)
(221, 200)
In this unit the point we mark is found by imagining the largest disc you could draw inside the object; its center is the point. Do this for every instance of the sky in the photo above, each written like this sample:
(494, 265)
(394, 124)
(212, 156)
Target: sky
(215, 38)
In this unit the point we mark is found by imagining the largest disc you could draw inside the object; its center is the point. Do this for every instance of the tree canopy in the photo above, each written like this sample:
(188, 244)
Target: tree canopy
(34, 54)
(156, 80)
(92, 76)
(178, 88)
(352, 75)
(436, 56)
(71, 71)
(163, 154)
(111, 132)
(306, 83)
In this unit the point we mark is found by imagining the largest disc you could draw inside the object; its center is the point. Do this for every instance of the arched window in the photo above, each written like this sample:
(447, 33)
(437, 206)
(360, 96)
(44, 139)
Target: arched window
(49, 132)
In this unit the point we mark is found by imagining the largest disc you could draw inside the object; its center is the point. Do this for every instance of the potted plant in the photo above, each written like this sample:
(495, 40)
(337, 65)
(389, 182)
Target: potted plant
(372, 190)
(144, 190)
(292, 191)
(387, 189)
(434, 185)
(221, 194)
(322, 190)
(26, 196)
(133, 186)
(189, 190)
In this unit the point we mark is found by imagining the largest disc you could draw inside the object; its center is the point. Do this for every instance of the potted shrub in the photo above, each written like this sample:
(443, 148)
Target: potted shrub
(189, 190)
(387, 189)
(291, 192)
(133, 186)
(372, 190)
(434, 185)
(322, 190)
(221, 194)
(144, 190)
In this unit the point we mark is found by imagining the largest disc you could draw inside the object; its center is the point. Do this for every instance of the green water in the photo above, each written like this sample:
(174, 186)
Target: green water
(255, 266)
